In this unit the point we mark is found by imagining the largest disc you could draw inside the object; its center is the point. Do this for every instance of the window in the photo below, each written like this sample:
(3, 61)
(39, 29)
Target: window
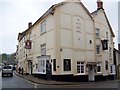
(90, 41)
(80, 67)
(67, 65)
(98, 67)
(43, 26)
(109, 51)
(97, 32)
(36, 66)
(107, 35)
(43, 49)
(54, 64)
(30, 35)
(111, 39)
(98, 49)
(106, 65)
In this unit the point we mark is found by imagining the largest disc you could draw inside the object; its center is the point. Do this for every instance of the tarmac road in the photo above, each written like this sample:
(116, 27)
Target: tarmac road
(18, 82)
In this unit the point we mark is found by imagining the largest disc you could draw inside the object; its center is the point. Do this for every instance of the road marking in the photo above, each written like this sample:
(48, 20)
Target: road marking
(35, 84)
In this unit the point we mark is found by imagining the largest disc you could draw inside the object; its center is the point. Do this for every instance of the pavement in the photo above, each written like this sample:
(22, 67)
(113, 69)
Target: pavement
(51, 82)
(45, 82)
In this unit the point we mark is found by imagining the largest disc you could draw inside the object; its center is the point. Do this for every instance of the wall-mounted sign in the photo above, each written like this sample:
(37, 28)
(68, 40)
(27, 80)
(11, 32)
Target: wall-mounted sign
(105, 44)
(28, 44)
(78, 25)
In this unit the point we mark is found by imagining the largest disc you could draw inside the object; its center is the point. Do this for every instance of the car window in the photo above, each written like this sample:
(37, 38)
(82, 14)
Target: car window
(7, 67)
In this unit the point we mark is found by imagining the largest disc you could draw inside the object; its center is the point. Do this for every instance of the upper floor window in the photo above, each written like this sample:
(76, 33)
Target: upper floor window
(107, 35)
(111, 39)
(30, 35)
(98, 49)
(110, 52)
(97, 32)
(43, 49)
(43, 26)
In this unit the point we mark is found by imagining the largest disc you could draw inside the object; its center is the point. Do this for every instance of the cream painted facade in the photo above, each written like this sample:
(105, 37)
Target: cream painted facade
(104, 33)
(69, 39)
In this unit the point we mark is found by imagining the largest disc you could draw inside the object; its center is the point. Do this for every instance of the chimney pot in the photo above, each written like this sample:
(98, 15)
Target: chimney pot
(29, 24)
(99, 4)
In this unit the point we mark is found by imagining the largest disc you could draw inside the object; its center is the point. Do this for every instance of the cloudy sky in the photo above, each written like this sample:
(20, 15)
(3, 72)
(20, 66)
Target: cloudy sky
(15, 15)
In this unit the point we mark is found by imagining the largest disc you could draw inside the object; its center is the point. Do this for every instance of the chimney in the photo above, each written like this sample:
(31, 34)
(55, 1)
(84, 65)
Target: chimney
(29, 24)
(99, 4)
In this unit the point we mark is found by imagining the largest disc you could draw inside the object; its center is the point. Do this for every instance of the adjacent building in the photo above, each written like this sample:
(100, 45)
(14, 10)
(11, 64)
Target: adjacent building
(68, 40)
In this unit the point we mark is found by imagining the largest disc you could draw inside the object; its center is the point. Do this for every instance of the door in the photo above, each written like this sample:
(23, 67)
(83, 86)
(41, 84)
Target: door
(30, 67)
(48, 70)
(91, 75)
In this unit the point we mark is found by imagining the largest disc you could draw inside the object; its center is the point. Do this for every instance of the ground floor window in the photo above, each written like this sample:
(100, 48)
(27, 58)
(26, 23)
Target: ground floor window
(54, 64)
(80, 67)
(67, 64)
(99, 68)
(106, 65)
(41, 66)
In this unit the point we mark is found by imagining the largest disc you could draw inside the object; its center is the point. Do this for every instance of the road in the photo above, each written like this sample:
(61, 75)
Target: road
(17, 82)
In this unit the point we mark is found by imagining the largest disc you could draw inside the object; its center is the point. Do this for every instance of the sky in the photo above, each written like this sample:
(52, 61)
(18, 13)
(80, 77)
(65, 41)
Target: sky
(16, 14)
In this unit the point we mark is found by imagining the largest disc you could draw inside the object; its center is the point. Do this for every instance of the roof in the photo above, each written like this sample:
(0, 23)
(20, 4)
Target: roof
(50, 11)
(95, 13)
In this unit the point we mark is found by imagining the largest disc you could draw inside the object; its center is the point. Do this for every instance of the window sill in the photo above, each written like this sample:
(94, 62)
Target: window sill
(99, 54)
(42, 33)
(97, 37)
(99, 72)
(80, 74)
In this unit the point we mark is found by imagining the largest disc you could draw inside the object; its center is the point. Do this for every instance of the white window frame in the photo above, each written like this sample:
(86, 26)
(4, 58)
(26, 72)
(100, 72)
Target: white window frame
(43, 49)
(79, 67)
(43, 27)
(30, 35)
(99, 65)
(110, 52)
(42, 66)
(107, 35)
(97, 47)
(97, 32)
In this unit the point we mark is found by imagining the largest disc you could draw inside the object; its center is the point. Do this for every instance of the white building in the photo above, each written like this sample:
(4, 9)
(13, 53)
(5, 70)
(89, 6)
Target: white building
(68, 40)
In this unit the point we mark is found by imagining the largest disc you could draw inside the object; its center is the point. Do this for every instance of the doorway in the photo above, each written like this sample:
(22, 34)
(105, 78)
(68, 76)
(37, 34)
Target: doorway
(30, 67)
(91, 73)
(48, 70)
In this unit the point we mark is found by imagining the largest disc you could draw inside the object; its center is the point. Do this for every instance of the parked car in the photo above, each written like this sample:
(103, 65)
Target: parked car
(7, 70)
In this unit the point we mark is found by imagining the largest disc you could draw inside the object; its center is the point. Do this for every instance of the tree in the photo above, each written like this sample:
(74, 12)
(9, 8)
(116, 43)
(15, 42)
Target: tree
(4, 57)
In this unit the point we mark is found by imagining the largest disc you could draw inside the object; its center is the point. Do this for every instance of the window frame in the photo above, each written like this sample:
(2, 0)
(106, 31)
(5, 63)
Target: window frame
(43, 49)
(106, 65)
(65, 68)
(97, 49)
(54, 64)
(99, 65)
(107, 35)
(97, 32)
(43, 27)
(110, 52)
(80, 67)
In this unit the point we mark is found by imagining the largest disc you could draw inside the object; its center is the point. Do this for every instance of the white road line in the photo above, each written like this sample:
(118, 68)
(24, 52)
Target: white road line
(35, 84)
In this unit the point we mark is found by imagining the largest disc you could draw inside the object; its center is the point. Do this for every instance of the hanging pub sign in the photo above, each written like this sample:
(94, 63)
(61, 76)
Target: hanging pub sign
(28, 44)
(105, 44)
